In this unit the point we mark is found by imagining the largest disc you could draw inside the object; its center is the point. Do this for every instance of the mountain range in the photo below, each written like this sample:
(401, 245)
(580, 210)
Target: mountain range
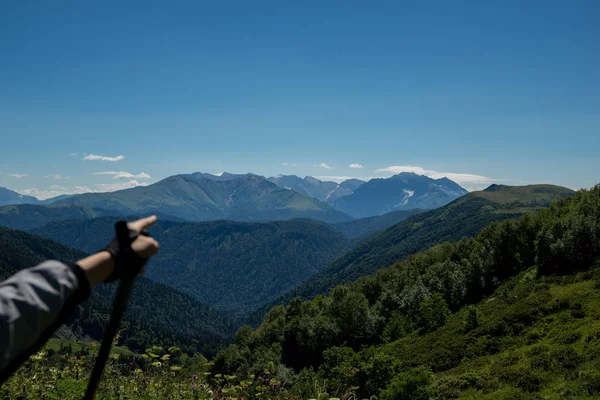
(201, 197)
(248, 197)
(211, 276)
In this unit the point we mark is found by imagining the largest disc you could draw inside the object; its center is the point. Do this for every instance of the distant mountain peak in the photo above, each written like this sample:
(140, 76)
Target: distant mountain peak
(403, 191)
(493, 188)
(325, 191)
(8, 196)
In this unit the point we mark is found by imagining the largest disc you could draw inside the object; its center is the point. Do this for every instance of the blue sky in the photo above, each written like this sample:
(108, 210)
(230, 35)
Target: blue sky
(481, 91)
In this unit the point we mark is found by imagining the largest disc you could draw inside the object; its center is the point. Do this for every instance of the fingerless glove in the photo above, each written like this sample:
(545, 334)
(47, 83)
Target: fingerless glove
(128, 263)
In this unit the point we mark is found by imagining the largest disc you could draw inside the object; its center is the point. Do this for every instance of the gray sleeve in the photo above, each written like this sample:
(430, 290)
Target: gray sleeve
(33, 303)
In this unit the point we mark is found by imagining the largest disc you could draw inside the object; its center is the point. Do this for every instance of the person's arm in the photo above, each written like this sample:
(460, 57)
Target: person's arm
(36, 301)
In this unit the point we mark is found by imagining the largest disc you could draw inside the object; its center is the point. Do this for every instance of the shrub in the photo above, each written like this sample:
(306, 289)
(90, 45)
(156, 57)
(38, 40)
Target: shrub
(416, 384)
(434, 312)
(399, 326)
(472, 319)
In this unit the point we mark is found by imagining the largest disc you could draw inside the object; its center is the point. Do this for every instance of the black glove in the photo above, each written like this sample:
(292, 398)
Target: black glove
(128, 263)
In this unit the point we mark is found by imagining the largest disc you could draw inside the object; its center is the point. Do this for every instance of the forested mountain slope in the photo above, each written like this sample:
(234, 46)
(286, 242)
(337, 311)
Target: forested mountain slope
(236, 267)
(510, 313)
(156, 313)
(31, 216)
(370, 225)
(461, 218)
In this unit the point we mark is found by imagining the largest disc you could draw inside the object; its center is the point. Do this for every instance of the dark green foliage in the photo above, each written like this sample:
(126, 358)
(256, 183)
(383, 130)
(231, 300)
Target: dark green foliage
(234, 266)
(399, 326)
(156, 313)
(416, 384)
(464, 217)
(472, 319)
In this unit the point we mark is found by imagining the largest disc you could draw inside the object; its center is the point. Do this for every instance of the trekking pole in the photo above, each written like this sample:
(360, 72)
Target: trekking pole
(119, 306)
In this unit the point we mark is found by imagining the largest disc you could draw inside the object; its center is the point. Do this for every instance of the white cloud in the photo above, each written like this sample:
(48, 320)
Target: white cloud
(287, 164)
(124, 175)
(95, 157)
(19, 176)
(111, 187)
(56, 177)
(355, 166)
(58, 190)
(468, 181)
(339, 179)
(323, 165)
(55, 190)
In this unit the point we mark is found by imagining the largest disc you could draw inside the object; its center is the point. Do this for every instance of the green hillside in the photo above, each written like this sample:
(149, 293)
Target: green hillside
(236, 267)
(463, 217)
(156, 314)
(511, 313)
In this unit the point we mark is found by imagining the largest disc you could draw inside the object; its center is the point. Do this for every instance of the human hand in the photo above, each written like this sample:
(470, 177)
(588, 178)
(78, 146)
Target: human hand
(144, 246)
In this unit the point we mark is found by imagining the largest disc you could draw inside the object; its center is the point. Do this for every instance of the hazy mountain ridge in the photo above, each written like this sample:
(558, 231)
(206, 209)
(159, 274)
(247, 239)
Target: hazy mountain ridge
(8, 196)
(249, 197)
(200, 197)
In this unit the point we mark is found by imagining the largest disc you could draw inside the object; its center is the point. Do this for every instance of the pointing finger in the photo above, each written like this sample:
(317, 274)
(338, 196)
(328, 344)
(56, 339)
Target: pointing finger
(142, 224)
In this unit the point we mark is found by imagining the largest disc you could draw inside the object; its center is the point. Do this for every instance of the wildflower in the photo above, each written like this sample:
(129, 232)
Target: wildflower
(267, 380)
(194, 376)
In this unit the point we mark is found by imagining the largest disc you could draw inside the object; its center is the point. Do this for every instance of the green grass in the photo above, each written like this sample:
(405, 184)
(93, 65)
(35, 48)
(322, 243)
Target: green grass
(528, 194)
(537, 339)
